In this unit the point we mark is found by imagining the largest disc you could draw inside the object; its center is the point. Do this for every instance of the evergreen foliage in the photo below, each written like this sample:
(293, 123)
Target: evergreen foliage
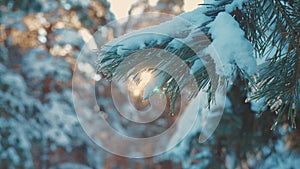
(272, 27)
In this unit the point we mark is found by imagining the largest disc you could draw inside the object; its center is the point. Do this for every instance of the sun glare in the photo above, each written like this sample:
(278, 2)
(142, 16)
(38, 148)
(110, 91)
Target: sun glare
(137, 87)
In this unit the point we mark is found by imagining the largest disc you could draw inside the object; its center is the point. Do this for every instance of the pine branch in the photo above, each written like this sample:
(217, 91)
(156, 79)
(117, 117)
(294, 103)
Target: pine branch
(110, 59)
(274, 33)
(272, 27)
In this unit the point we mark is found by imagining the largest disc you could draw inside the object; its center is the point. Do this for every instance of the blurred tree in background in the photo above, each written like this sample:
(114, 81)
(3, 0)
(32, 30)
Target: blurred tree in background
(39, 43)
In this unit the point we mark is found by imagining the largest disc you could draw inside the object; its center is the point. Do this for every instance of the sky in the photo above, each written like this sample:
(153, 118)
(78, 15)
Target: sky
(120, 7)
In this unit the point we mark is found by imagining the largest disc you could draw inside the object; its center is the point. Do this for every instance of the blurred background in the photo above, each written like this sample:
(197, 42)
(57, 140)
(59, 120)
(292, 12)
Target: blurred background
(39, 43)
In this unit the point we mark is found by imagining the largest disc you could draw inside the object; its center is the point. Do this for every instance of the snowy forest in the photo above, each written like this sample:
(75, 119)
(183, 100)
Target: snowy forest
(233, 64)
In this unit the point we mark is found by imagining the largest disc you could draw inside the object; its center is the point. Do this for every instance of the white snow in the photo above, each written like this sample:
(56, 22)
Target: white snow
(67, 4)
(61, 118)
(68, 36)
(15, 81)
(178, 26)
(196, 17)
(47, 65)
(13, 155)
(47, 6)
(232, 48)
(235, 4)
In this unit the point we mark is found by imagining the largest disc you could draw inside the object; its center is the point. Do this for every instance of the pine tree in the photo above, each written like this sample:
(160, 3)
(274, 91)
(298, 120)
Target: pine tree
(37, 118)
(271, 92)
(272, 27)
(35, 94)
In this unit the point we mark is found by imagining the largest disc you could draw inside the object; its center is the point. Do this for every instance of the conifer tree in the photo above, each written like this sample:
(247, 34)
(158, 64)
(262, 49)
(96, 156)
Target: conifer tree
(272, 28)
(263, 99)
